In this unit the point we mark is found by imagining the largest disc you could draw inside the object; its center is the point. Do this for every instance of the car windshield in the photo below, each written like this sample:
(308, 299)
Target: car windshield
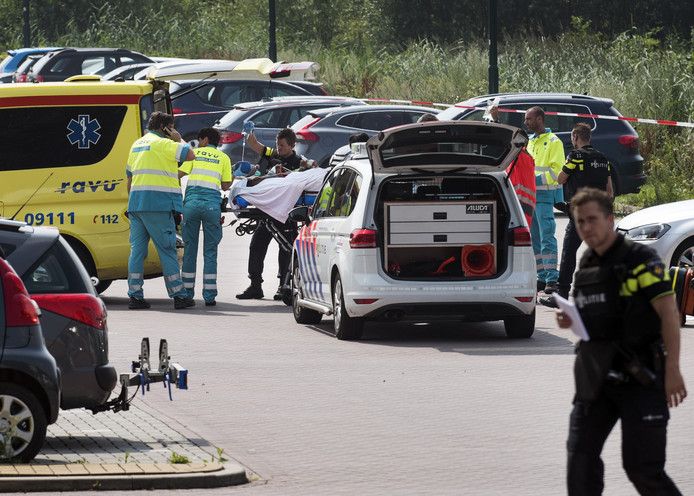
(5, 62)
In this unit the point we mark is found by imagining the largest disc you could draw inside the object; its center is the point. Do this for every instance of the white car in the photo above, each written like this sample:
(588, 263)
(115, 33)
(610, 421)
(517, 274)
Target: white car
(667, 228)
(419, 224)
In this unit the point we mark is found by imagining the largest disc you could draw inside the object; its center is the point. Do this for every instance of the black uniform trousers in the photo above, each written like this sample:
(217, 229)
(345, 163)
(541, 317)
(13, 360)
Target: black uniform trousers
(568, 258)
(644, 416)
(259, 244)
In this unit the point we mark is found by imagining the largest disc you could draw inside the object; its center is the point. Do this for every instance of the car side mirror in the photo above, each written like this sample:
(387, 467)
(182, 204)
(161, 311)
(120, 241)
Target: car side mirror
(299, 214)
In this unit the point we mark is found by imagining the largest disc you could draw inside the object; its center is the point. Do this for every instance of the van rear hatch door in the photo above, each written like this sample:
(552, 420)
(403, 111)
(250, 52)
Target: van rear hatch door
(445, 147)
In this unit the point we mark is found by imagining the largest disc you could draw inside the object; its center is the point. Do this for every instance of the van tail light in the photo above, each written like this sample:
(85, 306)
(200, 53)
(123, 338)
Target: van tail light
(227, 137)
(82, 307)
(520, 236)
(363, 238)
(39, 78)
(307, 135)
(20, 310)
(629, 141)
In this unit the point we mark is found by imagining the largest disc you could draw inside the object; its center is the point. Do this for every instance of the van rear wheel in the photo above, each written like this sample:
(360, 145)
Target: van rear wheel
(346, 328)
(520, 326)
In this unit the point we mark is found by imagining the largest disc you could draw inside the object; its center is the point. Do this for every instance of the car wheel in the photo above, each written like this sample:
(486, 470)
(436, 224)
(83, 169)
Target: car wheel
(301, 315)
(22, 423)
(520, 326)
(346, 328)
(683, 254)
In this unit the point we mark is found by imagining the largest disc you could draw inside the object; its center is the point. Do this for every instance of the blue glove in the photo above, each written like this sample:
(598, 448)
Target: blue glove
(248, 127)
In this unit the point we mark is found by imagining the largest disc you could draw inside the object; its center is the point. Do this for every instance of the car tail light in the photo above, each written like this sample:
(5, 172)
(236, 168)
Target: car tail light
(520, 236)
(177, 110)
(21, 78)
(307, 135)
(20, 310)
(227, 137)
(365, 301)
(81, 307)
(39, 78)
(525, 299)
(629, 141)
(362, 238)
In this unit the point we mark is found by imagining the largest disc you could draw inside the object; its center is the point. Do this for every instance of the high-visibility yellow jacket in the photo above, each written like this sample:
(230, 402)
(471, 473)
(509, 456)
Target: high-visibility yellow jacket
(153, 166)
(207, 172)
(548, 152)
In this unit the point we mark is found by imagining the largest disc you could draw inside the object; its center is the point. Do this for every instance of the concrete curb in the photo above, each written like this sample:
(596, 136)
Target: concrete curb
(230, 474)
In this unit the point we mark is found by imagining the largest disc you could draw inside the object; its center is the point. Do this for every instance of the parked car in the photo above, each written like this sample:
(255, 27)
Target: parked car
(126, 72)
(73, 316)
(29, 376)
(206, 102)
(269, 116)
(62, 64)
(20, 75)
(667, 228)
(616, 139)
(420, 224)
(323, 131)
(14, 59)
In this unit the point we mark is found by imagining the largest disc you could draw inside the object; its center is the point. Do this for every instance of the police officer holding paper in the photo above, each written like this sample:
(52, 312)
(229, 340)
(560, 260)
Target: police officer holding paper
(629, 368)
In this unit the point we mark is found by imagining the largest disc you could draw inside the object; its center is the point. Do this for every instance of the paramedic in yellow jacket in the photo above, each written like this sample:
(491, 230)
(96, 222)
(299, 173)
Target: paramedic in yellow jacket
(548, 152)
(153, 202)
(208, 175)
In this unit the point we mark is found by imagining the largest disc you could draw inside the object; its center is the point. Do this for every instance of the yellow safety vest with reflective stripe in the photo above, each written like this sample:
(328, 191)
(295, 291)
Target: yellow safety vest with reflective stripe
(548, 152)
(153, 168)
(208, 171)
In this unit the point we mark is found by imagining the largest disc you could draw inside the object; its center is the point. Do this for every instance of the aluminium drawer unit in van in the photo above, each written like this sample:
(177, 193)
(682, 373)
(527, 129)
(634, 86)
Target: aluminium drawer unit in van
(437, 230)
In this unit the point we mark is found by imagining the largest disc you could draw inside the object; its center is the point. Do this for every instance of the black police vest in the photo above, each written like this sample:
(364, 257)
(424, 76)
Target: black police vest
(609, 316)
(597, 299)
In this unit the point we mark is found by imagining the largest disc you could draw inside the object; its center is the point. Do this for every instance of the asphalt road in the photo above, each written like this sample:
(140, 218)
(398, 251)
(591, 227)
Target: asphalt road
(412, 409)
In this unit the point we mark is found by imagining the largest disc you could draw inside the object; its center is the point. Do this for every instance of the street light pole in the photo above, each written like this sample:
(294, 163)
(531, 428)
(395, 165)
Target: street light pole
(493, 67)
(272, 49)
(27, 29)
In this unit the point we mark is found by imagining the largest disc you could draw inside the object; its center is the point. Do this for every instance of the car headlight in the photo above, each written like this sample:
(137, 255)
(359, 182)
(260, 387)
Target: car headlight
(648, 232)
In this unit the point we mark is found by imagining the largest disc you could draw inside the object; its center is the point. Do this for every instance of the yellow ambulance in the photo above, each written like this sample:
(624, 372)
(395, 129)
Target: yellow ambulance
(63, 164)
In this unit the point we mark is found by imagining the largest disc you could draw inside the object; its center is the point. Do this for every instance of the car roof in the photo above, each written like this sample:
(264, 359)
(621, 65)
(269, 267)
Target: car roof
(521, 97)
(18, 51)
(287, 101)
(371, 108)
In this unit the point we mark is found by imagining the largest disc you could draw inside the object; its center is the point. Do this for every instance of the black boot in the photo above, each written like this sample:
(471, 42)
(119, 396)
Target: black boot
(252, 292)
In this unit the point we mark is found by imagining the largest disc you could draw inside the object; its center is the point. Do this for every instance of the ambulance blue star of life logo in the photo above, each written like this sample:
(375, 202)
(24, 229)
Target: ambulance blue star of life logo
(84, 131)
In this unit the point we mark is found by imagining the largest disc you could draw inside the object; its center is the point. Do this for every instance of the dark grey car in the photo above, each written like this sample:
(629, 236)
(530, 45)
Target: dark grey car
(29, 376)
(269, 116)
(62, 64)
(616, 139)
(73, 316)
(322, 132)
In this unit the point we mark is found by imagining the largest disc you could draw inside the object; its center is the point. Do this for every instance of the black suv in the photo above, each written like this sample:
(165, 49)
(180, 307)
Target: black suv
(29, 377)
(73, 317)
(62, 64)
(205, 103)
(616, 139)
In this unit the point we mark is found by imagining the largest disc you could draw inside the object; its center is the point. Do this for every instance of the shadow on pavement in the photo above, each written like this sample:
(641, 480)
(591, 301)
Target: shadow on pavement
(221, 308)
(470, 338)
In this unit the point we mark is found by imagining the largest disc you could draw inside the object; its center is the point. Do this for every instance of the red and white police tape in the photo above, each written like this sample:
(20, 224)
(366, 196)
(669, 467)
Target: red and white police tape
(661, 122)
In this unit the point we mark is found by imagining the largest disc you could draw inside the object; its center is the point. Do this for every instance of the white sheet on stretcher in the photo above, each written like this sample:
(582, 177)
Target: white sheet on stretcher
(276, 196)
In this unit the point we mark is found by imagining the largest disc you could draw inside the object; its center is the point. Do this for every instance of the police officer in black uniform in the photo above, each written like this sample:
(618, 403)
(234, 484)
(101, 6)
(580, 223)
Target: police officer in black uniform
(585, 167)
(629, 368)
(279, 161)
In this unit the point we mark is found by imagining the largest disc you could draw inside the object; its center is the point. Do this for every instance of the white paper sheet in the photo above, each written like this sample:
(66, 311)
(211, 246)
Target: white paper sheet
(569, 308)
